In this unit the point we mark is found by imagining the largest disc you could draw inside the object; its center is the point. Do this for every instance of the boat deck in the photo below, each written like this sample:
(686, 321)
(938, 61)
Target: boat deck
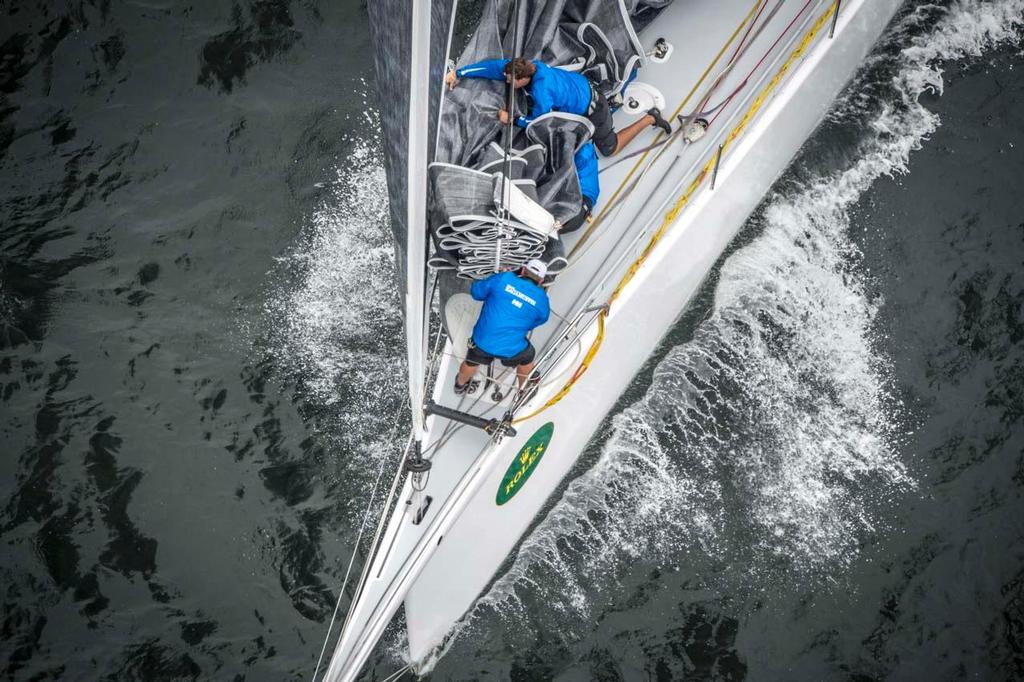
(700, 30)
(636, 193)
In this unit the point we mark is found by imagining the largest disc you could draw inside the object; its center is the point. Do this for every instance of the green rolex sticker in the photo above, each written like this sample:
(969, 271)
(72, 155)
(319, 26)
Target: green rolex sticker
(524, 463)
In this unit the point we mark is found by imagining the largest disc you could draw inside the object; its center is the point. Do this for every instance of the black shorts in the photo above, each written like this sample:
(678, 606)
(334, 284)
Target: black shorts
(604, 136)
(476, 356)
(577, 220)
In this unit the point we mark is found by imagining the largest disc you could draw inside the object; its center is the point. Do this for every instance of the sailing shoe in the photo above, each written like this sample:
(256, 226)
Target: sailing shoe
(659, 122)
(468, 388)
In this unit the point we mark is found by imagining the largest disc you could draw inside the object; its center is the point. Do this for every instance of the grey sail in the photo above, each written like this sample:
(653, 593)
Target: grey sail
(390, 34)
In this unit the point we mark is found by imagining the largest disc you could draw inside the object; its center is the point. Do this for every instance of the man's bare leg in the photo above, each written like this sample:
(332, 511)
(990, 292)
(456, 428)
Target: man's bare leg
(466, 372)
(626, 135)
(523, 373)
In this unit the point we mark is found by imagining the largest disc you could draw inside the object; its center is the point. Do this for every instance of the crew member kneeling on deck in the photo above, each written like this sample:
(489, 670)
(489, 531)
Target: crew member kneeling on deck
(514, 304)
(554, 89)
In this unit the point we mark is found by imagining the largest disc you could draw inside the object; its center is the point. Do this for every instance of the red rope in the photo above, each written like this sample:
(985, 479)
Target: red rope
(757, 66)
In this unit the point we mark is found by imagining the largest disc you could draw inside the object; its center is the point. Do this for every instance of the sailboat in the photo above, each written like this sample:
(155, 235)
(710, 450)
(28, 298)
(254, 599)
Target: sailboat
(745, 82)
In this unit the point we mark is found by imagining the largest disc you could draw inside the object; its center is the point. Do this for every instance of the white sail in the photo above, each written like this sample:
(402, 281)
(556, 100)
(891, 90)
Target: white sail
(416, 178)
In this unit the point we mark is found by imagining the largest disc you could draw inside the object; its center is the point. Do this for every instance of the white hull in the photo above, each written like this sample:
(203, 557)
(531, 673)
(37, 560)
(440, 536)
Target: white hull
(440, 582)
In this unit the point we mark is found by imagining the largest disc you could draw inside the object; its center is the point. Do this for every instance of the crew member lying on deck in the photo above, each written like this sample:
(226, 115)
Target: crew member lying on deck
(514, 304)
(552, 89)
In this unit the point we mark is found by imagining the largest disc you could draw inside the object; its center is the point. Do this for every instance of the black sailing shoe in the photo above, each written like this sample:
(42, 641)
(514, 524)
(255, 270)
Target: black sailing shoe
(659, 122)
(468, 388)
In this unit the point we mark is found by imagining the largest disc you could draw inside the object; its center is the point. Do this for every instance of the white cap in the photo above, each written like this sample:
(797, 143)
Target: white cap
(536, 267)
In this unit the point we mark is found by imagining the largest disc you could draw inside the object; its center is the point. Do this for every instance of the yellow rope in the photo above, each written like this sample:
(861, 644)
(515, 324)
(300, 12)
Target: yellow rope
(681, 202)
(611, 202)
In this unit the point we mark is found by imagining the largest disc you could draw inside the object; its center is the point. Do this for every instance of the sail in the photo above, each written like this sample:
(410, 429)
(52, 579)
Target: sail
(391, 36)
(416, 207)
(410, 39)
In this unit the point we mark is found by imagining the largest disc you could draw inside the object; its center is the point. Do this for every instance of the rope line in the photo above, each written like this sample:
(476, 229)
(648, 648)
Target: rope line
(601, 216)
(393, 677)
(681, 202)
(352, 558)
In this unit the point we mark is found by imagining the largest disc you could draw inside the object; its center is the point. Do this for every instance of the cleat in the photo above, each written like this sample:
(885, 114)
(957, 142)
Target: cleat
(694, 130)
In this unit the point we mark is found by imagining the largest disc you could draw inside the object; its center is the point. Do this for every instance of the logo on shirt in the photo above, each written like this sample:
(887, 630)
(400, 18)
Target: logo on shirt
(525, 462)
(518, 294)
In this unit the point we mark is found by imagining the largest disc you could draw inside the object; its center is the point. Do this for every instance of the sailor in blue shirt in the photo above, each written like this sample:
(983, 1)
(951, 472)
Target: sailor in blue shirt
(552, 89)
(514, 304)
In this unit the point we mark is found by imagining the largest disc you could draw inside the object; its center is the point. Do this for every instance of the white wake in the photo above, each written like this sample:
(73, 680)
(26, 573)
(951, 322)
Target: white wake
(334, 324)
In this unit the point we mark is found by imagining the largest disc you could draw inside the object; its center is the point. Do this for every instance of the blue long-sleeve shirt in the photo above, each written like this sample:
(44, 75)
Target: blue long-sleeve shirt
(512, 307)
(551, 89)
(587, 169)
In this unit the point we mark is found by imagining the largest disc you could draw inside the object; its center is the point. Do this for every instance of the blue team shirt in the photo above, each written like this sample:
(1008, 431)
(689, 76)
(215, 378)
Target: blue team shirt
(551, 89)
(512, 307)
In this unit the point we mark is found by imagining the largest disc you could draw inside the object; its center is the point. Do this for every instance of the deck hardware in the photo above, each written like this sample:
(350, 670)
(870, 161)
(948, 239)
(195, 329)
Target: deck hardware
(693, 129)
(422, 511)
(835, 18)
(661, 52)
(489, 425)
(414, 462)
(718, 160)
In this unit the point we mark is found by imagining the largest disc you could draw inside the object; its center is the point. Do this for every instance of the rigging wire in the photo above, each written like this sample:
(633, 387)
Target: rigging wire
(761, 61)
(355, 550)
(395, 676)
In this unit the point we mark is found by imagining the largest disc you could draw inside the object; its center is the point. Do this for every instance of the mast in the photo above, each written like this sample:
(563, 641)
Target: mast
(416, 188)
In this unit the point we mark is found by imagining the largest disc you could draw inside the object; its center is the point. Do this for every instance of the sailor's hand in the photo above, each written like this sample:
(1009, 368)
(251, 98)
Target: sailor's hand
(451, 79)
(503, 116)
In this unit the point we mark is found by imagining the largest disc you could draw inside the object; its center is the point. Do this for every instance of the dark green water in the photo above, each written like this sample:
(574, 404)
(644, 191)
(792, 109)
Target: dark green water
(818, 477)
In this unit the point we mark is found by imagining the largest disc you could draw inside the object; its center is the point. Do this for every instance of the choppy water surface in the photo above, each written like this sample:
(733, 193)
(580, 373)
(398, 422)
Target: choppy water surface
(818, 477)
